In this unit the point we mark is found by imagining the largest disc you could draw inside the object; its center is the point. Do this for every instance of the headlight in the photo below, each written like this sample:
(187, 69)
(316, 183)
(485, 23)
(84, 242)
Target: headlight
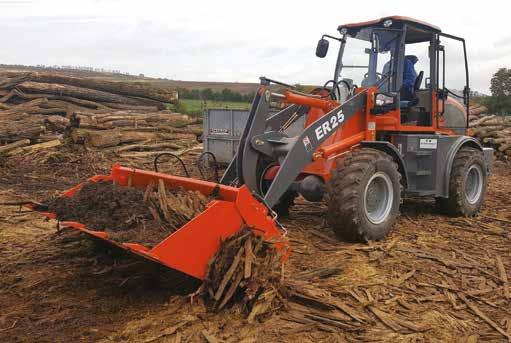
(343, 31)
(387, 23)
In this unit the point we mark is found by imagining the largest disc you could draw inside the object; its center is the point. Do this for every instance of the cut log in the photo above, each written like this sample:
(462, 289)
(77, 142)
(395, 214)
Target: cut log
(110, 138)
(81, 93)
(32, 104)
(11, 131)
(481, 120)
(68, 99)
(128, 107)
(36, 147)
(55, 111)
(48, 137)
(7, 96)
(103, 139)
(478, 110)
(14, 80)
(18, 144)
(149, 147)
(79, 135)
(140, 123)
(56, 123)
(133, 89)
(504, 147)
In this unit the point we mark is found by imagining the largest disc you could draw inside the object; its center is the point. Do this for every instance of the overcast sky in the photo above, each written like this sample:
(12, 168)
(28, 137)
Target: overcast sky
(225, 40)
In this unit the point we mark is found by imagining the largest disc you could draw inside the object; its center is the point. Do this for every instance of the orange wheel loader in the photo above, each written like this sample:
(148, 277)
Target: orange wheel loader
(359, 144)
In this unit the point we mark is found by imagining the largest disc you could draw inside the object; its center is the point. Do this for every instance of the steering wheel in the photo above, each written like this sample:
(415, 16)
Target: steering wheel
(331, 92)
(336, 93)
(418, 81)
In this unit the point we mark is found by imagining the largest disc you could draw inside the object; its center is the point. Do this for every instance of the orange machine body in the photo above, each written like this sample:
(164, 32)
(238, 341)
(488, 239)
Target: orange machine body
(363, 126)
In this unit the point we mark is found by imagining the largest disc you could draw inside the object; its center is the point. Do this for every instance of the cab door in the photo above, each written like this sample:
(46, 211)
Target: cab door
(451, 89)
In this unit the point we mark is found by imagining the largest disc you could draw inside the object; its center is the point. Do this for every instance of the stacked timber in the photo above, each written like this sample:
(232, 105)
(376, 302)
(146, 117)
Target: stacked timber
(133, 131)
(42, 110)
(492, 130)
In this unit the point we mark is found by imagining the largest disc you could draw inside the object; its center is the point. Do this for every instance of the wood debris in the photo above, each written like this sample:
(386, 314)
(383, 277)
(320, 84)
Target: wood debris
(246, 267)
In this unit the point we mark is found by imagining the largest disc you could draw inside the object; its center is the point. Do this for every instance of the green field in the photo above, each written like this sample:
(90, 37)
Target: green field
(197, 107)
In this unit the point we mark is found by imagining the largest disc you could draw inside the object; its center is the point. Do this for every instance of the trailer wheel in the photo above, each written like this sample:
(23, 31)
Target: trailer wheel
(467, 184)
(364, 195)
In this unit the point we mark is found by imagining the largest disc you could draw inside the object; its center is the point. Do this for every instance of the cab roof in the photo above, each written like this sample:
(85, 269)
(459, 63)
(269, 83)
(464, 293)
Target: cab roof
(417, 30)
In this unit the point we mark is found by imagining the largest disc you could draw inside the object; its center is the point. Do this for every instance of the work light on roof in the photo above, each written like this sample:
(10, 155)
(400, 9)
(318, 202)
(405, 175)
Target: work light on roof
(387, 23)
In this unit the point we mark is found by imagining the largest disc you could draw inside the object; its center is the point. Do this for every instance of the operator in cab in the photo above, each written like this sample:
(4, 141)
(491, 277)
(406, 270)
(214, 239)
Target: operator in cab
(409, 76)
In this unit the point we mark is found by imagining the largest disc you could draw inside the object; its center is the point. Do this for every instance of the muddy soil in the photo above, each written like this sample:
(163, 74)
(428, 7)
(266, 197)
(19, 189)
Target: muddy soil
(434, 279)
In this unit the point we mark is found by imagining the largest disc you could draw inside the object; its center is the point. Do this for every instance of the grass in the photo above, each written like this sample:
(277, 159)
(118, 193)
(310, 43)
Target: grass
(197, 107)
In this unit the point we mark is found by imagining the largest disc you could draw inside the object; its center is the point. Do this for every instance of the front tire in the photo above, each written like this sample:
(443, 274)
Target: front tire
(467, 184)
(364, 195)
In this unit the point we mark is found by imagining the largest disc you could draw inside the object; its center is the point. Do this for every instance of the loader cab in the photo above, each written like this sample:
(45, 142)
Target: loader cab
(374, 54)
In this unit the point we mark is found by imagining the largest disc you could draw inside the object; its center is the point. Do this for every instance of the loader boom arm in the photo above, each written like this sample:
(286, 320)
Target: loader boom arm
(261, 138)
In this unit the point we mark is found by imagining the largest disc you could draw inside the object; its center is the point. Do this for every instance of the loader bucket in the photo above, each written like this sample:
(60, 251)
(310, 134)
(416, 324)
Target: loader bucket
(190, 248)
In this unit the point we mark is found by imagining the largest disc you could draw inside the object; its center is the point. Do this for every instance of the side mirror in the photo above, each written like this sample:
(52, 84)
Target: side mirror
(322, 48)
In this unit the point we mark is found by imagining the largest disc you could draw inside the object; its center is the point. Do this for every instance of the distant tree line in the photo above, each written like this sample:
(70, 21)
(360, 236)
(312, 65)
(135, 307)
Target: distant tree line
(209, 94)
(500, 100)
(64, 68)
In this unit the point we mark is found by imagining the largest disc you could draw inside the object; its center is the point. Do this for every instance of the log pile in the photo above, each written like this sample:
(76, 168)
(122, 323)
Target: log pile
(130, 131)
(41, 110)
(492, 130)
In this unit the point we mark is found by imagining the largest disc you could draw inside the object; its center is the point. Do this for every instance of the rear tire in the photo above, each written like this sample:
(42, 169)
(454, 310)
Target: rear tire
(364, 195)
(467, 184)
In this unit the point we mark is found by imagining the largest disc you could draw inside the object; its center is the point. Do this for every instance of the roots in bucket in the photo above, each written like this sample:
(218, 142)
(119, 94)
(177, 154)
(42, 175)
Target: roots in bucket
(246, 269)
(129, 214)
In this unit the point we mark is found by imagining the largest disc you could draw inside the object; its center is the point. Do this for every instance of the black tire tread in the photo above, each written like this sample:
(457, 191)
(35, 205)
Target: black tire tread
(455, 205)
(343, 192)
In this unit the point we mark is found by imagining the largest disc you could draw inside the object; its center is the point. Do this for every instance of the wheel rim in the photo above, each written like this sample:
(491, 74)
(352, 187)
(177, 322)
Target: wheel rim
(474, 184)
(378, 198)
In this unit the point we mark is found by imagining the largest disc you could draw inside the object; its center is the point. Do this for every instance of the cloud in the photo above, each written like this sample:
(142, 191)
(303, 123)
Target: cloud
(226, 40)
(503, 42)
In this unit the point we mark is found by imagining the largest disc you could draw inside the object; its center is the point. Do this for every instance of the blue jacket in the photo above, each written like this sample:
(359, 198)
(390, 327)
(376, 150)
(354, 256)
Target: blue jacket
(409, 75)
